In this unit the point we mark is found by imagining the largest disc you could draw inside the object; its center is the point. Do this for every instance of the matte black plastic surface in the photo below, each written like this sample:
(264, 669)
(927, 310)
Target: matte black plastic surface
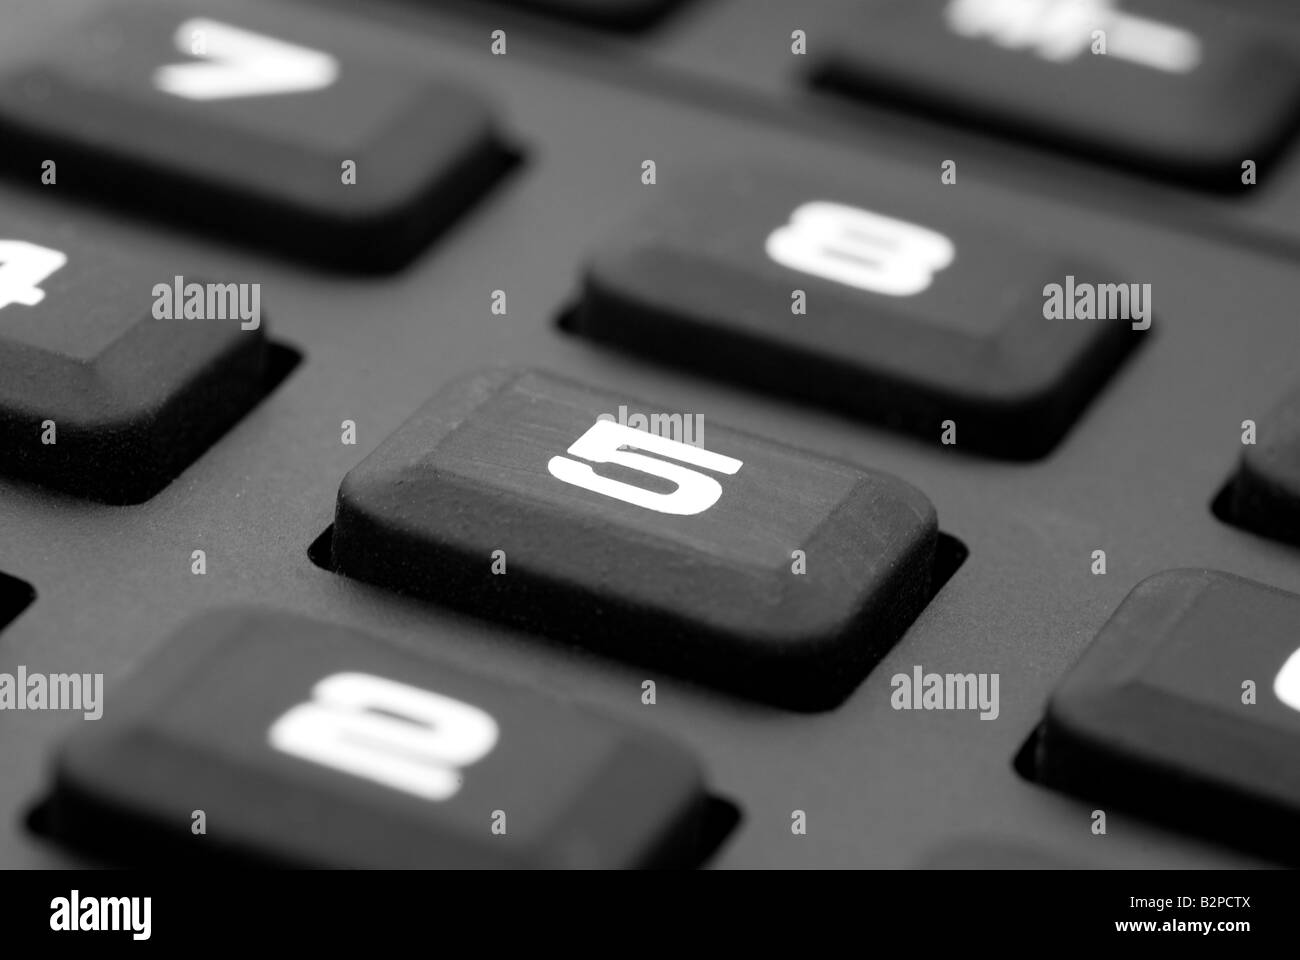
(1157, 714)
(101, 398)
(713, 84)
(264, 169)
(624, 14)
(1180, 90)
(462, 504)
(689, 281)
(190, 733)
(1265, 492)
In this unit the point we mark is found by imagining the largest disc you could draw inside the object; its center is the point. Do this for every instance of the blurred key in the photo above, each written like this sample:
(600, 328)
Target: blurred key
(240, 123)
(1265, 493)
(620, 14)
(1182, 89)
(886, 307)
(102, 394)
(308, 744)
(1187, 707)
(729, 559)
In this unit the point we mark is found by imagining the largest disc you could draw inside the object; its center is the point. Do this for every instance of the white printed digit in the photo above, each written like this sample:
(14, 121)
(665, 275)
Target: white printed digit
(23, 266)
(395, 734)
(1286, 686)
(861, 249)
(603, 443)
(241, 63)
(1062, 30)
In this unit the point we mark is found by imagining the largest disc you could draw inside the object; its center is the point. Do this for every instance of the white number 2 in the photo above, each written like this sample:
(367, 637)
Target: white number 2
(23, 266)
(603, 443)
(861, 249)
(395, 734)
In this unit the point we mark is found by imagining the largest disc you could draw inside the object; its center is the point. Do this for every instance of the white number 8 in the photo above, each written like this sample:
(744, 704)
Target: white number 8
(398, 735)
(860, 249)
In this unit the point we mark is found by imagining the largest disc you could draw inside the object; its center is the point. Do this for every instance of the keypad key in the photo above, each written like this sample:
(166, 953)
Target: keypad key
(310, 744)
(887, 308)
(269, 130)
(1187, 707)
(730, 559)
(103, 392)
(1265, 493)
(1183, 89)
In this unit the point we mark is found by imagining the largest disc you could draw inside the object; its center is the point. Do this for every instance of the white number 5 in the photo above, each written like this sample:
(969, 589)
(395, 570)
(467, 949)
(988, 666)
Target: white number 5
(23, 266)
(603, 443)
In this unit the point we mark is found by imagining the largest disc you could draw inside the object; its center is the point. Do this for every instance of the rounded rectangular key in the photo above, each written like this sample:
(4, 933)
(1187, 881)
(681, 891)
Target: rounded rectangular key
(103, 394)
(891, 309)
(1265, 493)
(272, 130)
(1187, 707)
(299, 743)
(740, 562)
(1180, 90)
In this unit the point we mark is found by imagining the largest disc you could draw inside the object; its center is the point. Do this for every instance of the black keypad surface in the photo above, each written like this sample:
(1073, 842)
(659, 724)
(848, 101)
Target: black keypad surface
(1187, 706)
(1264, 494)
(107, 389)
(1178, 89)
(736, 561)
(252, 129)
(802, 257)
(885, 307)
